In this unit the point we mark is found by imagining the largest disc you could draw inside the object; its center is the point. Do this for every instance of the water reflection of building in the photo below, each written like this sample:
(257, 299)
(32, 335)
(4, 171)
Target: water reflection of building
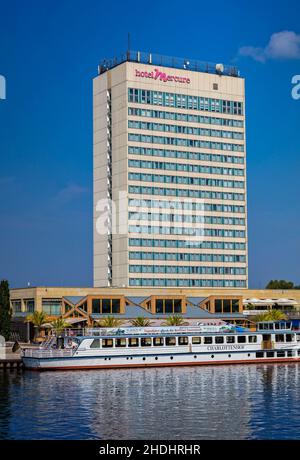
(222, 402)
(275, 413)
(187, 403)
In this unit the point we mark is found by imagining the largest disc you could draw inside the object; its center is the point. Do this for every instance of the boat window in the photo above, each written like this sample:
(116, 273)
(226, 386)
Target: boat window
(289, 337)
(259, 354)
(133, 342)
(252, 338)
(290, 353)
(196, 340)
(120, 343)
(280, 354)
(219, 339)
(170, 341)
(107, 343)
(183, 340)
(279, 337)
(158, 341)
(270, 354)
(146, 342)
(208, 340)
(95, 343)
(230, 339)
(277, 326)
(241, 339)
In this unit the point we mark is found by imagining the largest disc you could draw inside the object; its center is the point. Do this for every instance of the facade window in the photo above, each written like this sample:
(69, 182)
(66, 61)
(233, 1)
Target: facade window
(133, 95)
(16, 306)
(96, 306)
(105, 306)
(227, 305)
(51, 307)
(188, 117)
(164, 306)
(29, 305)
(183, 101)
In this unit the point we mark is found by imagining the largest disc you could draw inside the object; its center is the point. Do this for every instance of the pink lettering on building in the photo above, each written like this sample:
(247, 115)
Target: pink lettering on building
(162, 76)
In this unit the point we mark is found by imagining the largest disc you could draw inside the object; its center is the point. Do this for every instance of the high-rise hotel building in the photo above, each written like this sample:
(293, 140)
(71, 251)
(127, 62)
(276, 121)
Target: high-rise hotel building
(170, 162)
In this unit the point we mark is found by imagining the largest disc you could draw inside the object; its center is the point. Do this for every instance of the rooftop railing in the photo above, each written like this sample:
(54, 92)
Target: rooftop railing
(141, 57)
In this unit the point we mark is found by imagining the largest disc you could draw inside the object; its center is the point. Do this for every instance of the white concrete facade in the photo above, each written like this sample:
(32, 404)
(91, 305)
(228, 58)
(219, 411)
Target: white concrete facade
(161, 141)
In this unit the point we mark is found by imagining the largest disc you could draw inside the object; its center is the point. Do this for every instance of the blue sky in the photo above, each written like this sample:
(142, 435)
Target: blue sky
(49, 51)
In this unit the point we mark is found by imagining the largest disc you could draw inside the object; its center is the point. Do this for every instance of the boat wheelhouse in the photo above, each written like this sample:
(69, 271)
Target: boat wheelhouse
(166, 346)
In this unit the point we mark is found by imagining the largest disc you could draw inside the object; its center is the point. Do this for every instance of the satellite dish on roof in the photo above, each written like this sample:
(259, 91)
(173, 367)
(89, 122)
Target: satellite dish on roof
(219, 68)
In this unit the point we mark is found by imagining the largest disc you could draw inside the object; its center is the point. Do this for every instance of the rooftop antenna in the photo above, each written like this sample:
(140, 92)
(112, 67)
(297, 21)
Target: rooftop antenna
(128, 46)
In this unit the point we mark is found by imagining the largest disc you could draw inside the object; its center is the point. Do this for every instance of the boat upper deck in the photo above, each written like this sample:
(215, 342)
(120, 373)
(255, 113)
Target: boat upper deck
(267, 327)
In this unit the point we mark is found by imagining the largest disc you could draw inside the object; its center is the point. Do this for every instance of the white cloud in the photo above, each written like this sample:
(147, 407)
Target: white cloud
(282, 45)
(69, 193)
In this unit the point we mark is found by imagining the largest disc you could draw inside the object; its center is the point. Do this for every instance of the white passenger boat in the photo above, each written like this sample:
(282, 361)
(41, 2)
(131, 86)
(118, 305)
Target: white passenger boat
(167, 346)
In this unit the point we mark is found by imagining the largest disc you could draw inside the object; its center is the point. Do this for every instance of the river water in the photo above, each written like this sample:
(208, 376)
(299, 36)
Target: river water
(221, 402)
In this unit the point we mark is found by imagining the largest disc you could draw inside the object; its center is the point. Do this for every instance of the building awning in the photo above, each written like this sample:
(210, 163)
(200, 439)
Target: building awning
(287, 302)
(75, 320)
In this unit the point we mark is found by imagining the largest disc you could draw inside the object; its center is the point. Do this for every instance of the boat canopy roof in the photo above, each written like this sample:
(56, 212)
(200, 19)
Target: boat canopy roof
(184, 330)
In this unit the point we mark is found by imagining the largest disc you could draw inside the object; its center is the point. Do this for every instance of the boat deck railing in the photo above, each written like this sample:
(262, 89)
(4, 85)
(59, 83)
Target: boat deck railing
(47, 353)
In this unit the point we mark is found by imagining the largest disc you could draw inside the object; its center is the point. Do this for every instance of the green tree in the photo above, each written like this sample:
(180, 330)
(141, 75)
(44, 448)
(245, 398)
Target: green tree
(59, 325)
(5, 310)
(272, 315)
(110, 321)
(174, 320)
(38, 319)
(140, 321)
(280, 284)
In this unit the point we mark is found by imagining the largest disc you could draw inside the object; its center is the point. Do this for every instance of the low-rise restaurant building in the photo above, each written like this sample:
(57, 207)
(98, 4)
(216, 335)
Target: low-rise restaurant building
(85, 307)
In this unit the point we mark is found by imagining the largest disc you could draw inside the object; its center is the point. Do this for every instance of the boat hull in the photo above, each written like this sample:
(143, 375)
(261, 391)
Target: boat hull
(166, 360)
